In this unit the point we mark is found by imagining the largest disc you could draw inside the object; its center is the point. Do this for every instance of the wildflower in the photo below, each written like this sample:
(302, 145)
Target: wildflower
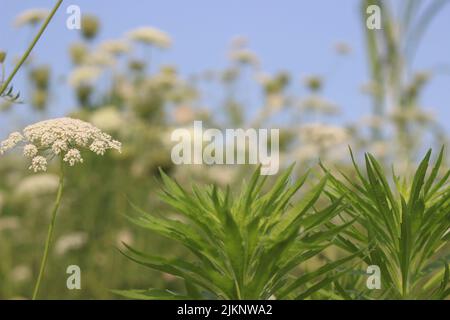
(31, 17)
(100, 58)
(323, 135)
(60, 137)
(151, 36)
(21, 273)
(13, 139)
(184, 114)
(84, 75)
(314, 83)
(2, 56)
(78, 52)
(316, 103)
(89, 26)
(72, 241)
(124, 236)
(37, 185)
(107, 118)
(30, 151)
(115, 47)
(38, 163)
(244, 56)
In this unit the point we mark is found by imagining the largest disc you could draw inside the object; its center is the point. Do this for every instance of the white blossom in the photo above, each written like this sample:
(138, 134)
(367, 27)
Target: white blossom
(152, 36)
(73, 156)
(63, 137)
(13, 139)
(30, 151)
(84, 75)
(39, 163)
(37, 185)
(33, 16)
(72, 241)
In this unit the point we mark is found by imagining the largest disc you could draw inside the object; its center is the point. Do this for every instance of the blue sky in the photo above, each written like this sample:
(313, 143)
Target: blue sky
(293, 35)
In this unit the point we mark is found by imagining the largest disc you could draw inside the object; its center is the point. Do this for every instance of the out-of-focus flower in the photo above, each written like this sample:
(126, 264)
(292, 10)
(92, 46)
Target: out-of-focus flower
(40, 76)
(21, 273)
(313, 83)
(107, 118)
(413, 114)
(275, 101)
(39, 99)
(78, 52)
(184, 114)
(71, 241)
(61, 136)
(31, 17)
(373, 121)
(37, 185)
(84, 75)
(244, 56)
(379, 148)
(371, 88)
(115, 47)
(90, 26)
(151, 36)
(323, 135)
(99, 58)
(124, 236)
(2, 56)
(318, 104)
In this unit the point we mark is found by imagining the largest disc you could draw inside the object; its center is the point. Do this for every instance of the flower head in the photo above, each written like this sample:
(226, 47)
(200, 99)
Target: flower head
(31, 17)
(151, 36)
(63, 137)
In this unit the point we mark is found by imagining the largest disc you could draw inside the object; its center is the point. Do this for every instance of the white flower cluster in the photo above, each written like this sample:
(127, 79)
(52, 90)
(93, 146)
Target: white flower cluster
(151, 36)
(59, 137)
(325, 136)
(33, 16)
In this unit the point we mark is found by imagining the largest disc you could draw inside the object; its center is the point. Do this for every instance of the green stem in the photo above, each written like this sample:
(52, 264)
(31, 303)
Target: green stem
(50, 232)
(30, 47)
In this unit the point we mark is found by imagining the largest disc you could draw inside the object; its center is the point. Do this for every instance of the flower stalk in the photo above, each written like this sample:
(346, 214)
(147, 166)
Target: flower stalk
(30, 47)
(50, 231)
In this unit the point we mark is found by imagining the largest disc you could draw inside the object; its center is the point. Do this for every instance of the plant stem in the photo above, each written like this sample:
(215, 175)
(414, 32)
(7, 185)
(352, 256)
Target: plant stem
(50, 232)
(30, 47)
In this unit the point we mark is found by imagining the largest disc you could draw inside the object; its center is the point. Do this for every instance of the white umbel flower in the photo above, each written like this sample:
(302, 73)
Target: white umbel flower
(38, 163)
(37, 185)
(30, 151)
(62, 137)
(13, 139)
(73, 156)
(85, 75)
(32, 17)
(151, 36)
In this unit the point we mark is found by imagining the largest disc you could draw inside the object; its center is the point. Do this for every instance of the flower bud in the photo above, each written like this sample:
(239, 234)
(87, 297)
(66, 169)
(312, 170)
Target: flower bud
(89, 26)
(2, 56)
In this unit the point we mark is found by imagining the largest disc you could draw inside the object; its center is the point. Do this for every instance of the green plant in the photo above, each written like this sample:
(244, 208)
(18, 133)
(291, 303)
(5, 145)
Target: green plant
(246, 247)
(405, 227)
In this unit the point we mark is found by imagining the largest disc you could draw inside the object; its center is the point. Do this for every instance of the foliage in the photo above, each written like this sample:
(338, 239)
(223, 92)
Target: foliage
(405, 227)
(245, 246)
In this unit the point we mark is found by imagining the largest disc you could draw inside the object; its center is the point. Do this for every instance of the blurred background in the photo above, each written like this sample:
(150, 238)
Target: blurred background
(140, 69)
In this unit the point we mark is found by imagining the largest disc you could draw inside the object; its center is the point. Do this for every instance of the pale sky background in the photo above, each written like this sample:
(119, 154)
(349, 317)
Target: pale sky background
(293, 35)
